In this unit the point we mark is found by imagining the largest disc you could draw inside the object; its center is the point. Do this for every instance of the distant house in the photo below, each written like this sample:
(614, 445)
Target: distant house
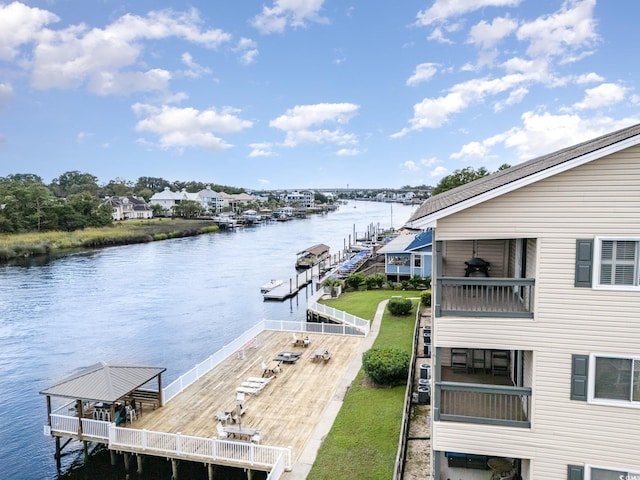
(212, 202)
(168, 199)
(128, 207)
(408, 255)
(237, 201)
(303, 199)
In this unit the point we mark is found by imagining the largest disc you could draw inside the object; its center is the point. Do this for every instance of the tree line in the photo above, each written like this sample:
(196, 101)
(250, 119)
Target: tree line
(73, 200)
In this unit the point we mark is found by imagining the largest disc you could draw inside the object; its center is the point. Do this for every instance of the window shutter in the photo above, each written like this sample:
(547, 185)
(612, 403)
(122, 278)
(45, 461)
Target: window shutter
(579, 375)
(575, 472)
(584, 262)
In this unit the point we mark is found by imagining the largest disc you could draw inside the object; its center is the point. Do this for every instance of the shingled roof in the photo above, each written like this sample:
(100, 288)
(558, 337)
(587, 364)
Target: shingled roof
(518, 173)
(103, 383)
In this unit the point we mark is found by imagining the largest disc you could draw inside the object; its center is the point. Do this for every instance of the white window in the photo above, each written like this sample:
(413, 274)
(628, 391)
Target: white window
(595, 473)
(617, 262)
(615, 379)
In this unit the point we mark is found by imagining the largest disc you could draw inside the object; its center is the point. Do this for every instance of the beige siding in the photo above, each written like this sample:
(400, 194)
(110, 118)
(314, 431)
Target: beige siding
(601, 198)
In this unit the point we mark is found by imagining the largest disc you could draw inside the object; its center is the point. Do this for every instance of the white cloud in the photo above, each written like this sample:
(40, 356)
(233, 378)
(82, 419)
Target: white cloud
(6, 94)
(81, 136)
(411, 166)
(487, 35)
(563, 33)
(194, 70)
(422, 73)
(590, 77)
(604, 95)
(20, 24)
(188, 127)
(283, 13)
(261, 150)
(348, 152)
(106, 60)
(248, 50)
(442, 10)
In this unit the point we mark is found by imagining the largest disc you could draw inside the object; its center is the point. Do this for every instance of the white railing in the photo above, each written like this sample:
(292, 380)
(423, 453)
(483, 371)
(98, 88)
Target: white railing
(278, 468)
(188, 378)
(189, 448)
(95, 428)
(340, 316)
(65, 424)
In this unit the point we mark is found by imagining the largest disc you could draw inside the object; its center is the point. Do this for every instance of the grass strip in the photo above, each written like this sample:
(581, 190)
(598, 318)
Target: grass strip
(363, 440)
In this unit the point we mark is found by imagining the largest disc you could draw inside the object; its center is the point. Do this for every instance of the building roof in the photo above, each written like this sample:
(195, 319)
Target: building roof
(103, 383)
(522, 174)
(316, 250)
(408, 242)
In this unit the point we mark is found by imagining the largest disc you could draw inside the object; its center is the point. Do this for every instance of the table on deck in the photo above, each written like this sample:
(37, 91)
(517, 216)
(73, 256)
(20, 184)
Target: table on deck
(240, 432)
(321, 354)
(287, 357)
(302, 342)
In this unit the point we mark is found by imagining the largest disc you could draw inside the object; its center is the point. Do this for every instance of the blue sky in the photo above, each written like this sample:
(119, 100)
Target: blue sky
(277, 94)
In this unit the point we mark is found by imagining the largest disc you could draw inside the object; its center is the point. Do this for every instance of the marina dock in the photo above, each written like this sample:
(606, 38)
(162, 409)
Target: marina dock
(286, 412)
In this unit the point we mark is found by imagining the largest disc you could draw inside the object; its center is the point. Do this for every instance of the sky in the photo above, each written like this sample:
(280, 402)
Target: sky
(304, 94)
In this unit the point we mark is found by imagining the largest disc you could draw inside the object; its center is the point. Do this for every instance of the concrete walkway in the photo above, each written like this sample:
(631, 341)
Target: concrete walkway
(302, 467)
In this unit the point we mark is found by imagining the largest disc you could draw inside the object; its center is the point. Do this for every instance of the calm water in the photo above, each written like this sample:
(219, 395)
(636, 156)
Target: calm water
(169, 304)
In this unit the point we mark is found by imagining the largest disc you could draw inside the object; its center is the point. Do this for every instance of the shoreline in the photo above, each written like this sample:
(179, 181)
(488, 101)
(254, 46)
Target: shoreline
(32, 245)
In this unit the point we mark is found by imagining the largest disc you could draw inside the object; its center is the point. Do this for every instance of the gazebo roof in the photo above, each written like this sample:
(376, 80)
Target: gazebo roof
(102, 382)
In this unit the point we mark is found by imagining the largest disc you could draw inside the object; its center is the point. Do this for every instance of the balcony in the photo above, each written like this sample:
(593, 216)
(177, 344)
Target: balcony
(484, 297)
(480, 395)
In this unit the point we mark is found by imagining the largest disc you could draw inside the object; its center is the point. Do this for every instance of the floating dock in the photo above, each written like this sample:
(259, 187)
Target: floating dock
(294, 285)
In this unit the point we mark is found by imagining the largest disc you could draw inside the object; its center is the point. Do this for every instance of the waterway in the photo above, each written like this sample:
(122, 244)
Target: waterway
(169, 304)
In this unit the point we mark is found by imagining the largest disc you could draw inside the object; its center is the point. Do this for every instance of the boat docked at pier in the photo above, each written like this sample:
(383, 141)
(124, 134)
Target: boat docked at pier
(312, 256)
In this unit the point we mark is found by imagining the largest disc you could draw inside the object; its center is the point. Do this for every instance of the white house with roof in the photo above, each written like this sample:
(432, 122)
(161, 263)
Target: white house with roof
(535, 317)
(212, 202)
(128, 207)
(304, 198)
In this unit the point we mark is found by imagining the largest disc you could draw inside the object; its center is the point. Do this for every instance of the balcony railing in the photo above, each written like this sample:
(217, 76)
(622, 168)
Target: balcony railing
(487, 404)
(484, 297)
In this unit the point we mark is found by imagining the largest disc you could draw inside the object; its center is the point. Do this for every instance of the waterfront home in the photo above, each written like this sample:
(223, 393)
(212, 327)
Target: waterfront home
(535, 323)
(408, 255)
(128, 207)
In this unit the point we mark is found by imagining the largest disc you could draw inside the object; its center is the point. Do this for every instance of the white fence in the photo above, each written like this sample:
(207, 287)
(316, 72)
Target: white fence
(191, 448)
(340, 316)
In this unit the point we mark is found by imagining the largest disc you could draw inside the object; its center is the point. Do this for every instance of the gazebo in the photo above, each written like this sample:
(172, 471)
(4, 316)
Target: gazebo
(104, 385)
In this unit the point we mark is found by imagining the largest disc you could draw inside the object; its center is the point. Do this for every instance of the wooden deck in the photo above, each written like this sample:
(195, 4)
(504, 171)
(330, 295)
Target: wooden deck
(286, 411)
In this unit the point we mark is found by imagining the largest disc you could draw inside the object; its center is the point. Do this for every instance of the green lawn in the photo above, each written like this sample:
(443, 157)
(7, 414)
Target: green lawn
(364, 438)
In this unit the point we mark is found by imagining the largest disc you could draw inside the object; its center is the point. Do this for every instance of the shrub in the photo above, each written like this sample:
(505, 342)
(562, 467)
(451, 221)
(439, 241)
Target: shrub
(354, 280)
(399, 307)
(386, 366)
(425, 298)
(374, 281)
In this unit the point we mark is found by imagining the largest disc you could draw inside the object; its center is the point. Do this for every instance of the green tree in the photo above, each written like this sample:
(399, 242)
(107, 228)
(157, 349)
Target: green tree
(24, 203)
(459, 177)
(118, 187)
(155, 184)
(74, 182)
(188, 209)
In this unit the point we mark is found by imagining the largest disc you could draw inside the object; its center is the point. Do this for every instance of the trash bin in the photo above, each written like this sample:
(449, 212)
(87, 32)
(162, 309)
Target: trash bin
(424, 395)
(425, 371)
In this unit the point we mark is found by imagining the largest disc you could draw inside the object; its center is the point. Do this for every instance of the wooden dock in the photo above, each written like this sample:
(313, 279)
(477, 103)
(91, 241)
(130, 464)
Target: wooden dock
(293, 285)
(286, 411)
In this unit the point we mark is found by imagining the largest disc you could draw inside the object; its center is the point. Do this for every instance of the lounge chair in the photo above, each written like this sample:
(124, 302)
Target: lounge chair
(221, 432)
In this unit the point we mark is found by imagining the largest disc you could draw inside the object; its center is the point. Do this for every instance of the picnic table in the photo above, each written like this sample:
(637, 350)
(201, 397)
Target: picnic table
(321, 354)
(287, 357)
(243, 433)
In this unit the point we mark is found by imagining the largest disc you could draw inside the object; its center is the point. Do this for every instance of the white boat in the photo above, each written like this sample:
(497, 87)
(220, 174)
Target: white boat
(267, 287)
(250, 216)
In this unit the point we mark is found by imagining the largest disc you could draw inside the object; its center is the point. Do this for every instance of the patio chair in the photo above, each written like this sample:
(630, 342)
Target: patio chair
(256, 437)
(221, 432)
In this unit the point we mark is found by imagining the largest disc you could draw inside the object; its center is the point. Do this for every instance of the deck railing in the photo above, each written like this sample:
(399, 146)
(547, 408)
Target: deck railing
(189, 447)
(341, 317)
(484, 297)
(487, 404)
(65, 423)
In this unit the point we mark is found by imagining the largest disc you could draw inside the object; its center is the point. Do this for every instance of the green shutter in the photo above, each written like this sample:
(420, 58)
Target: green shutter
(579, 377)
(575, 472)
(584, 262)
